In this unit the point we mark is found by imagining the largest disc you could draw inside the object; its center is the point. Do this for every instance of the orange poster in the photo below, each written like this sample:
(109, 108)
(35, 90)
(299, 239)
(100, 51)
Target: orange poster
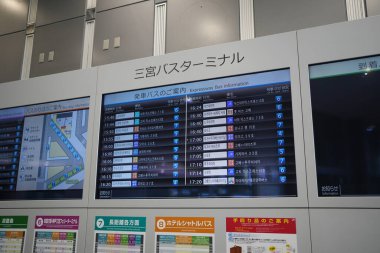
(202, 225)
(185, 234)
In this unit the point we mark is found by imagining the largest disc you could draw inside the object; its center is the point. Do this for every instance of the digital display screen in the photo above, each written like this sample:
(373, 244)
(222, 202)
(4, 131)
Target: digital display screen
(346, 120)
(225, 137)
(43, 150)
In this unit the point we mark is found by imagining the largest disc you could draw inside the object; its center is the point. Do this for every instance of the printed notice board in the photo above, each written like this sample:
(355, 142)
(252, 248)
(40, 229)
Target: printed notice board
(56, 234)
(119, 234)
(261, 235)
(12, 233)
(185, 234)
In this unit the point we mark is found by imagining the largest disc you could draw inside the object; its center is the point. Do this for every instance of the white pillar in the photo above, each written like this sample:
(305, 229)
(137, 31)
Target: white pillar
(355, 9)
(159, 29)
(247, 21)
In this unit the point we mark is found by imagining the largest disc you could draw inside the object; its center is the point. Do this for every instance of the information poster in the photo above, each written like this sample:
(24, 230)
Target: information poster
(261, 235)
(119, 234)
(185, 234)
(12, 233)
(56, 234)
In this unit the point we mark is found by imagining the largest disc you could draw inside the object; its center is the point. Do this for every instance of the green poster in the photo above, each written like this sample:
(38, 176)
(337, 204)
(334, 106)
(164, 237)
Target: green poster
(13, 221)
(120, 223)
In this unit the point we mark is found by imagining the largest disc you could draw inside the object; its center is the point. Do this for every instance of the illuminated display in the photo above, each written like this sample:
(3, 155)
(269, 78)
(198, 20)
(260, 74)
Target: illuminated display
(226, 137)
(43, 150)
(345, 105)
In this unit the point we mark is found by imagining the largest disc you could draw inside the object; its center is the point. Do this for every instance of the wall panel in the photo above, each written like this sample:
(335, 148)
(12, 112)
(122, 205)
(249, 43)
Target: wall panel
(11, 49)
(124, 33)
(63, 42)
(373, 7)
(345, 230)
(273, 16)
(13, 15)
(102, 5)
(198, 23)
(51, 11)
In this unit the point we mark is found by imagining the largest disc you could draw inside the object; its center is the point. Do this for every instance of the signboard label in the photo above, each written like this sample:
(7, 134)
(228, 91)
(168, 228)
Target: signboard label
(259, 234)
(190, 234)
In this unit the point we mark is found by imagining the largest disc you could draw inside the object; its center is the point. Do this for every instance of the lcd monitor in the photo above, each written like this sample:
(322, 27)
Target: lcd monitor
(43, 150)
(346, 121)
(223, 137)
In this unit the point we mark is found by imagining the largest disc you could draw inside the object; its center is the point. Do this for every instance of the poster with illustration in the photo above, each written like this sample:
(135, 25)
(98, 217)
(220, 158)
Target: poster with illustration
(261, 235)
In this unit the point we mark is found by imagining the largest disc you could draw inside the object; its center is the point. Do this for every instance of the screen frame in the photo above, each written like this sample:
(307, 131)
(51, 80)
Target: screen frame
(222, 79)
(321, 45)
(64, 86)
(261, 55)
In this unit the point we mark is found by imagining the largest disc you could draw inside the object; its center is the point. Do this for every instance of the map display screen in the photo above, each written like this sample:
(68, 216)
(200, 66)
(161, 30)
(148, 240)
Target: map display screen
(346, 124)
(43, 150)
(225, 137)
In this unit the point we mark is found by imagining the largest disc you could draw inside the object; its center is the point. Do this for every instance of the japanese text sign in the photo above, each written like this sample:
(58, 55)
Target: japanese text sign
(120, 223)
(13, 221)
(57, 222)
(177, 67)
(185, 224)
(261, 225)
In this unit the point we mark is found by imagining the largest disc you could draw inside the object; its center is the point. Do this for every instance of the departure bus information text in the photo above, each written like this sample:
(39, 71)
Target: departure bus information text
(228, 137)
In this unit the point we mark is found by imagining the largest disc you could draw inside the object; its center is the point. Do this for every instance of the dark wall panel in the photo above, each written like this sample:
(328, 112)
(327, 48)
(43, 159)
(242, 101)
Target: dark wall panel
(373, 7)
(12, 52)
(65, 39)
(277, 16)
(198, 23)
(131, 26)
(102, 5)
(50, 11)
(13, 15)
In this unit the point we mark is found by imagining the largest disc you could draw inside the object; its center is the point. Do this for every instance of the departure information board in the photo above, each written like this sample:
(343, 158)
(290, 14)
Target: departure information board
(225, 137)
(43, 150)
